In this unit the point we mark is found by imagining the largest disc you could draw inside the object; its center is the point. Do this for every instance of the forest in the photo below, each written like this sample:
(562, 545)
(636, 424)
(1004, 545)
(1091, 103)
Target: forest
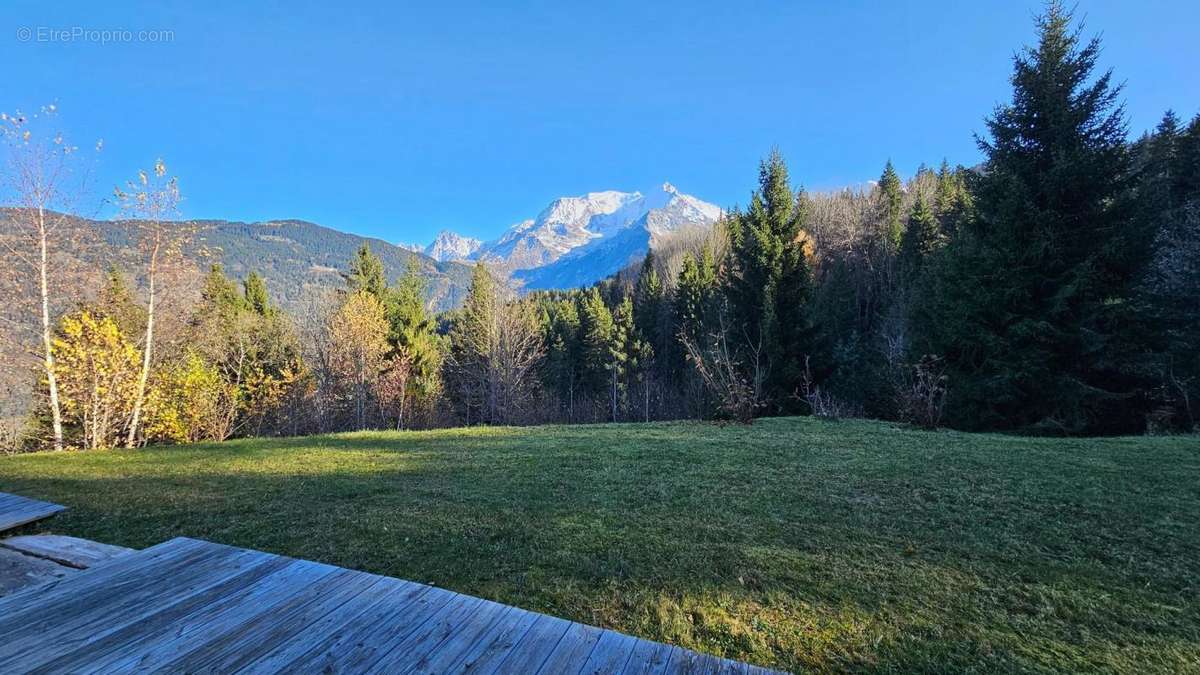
(1052, 289)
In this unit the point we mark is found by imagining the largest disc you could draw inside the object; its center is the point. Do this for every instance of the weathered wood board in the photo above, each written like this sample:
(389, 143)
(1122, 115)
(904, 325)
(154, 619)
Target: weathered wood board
(195, 606)
(16, 511)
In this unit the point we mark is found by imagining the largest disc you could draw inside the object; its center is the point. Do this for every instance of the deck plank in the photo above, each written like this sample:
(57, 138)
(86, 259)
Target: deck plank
(455, 649)
(611, 654)
(168, 639)
(421, 642)
(494, 645)
(189, 605)
(258, 637)
(57, 596)
(573, 649)
(123, 603)
(69, 551)
(368, 636)
(649, 658)
(16, 510)
(528, 654)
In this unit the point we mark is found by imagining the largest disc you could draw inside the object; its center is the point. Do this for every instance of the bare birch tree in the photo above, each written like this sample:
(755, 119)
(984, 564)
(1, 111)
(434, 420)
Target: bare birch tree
(151, 202)
(40, 177)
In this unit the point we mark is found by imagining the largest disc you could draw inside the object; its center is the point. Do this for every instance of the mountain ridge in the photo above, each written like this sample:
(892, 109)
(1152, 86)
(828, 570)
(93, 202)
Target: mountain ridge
(578, 240)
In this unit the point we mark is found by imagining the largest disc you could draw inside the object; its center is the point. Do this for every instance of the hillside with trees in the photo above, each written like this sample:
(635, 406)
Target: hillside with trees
(1049, 290)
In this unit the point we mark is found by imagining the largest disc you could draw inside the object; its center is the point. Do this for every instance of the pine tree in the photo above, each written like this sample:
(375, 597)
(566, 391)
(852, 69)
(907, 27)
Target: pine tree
(892, 191)
(366, 273)
(220, 291)
(768, 286)
(414, 336)
(696, 297)
(921, 237)
(620, 345)
(1033, 305)
(564, 354)
(596, 335)
(255, 293)
(648, 301)
(953, 204)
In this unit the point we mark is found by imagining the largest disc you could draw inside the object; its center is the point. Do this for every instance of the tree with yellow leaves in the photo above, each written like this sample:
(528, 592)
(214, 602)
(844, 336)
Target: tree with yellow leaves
(358, 350)
(96, 368)
(190, 402)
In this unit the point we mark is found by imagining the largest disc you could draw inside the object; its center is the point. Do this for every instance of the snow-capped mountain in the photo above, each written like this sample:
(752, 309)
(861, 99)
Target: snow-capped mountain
(451, 246)
(579, 240)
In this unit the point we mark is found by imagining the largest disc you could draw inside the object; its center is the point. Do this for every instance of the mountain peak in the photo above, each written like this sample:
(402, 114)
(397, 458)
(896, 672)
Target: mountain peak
(669, 189)
(449, 245)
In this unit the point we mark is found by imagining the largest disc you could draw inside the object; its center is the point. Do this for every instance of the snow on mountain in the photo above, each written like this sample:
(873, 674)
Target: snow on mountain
(452, 246)
(579, 240)
(615, 237)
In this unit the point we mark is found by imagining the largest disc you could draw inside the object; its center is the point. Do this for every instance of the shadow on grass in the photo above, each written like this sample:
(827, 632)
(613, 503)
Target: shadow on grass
(794, 545)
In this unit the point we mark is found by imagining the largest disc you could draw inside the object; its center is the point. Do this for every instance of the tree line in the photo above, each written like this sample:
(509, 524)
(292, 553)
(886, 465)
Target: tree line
(1052, 289)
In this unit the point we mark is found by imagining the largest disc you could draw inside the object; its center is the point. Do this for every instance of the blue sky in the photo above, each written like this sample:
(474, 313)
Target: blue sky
(396, 120)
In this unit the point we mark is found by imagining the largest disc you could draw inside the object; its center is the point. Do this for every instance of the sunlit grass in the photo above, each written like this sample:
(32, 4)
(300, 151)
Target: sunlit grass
(792, 543)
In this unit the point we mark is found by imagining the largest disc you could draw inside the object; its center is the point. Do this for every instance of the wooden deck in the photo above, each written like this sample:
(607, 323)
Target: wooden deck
(16, 511)
(195, 606)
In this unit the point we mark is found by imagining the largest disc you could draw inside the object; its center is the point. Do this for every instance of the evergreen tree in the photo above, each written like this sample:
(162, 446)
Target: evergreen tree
(1170, 201)
(255, 292)
(1033, 305)
(696, 297)
(921, 237)
(952, 203)
(564, 354)
(414, 336)
(648, 301)
(892, 191)
(117, 302)
(219, 292)
(768, 285)
(366, 273)
(473, 339)
(596, 336)
(620, 348)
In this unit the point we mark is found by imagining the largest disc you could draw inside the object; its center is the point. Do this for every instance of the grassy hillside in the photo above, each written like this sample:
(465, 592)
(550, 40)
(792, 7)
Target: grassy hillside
(792, 543)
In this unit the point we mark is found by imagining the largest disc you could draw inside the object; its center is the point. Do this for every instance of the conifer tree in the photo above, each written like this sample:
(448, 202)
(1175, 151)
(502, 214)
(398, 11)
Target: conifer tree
(696, 297)
(414, 335)
(620, 348)
(1032, 309)
(649, 297)
(768, 285)
(596, 335)
(893, 197)
(563, 352)
(921, 237)
(255, 293)
(366, 273)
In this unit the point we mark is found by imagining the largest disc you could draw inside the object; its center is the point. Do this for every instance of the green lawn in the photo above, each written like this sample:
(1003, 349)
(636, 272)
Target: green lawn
(792, 543)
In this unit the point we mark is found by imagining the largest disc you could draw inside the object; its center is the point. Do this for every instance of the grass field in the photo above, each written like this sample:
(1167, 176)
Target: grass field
(792, 543)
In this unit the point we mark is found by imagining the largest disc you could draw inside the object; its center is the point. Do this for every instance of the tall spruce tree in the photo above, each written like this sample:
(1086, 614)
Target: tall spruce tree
(366, 273)
(414, 335)
(1033, 306)
(254, 289)
(892, 191)
(921, 236)
(596, 336)
(768, 284)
